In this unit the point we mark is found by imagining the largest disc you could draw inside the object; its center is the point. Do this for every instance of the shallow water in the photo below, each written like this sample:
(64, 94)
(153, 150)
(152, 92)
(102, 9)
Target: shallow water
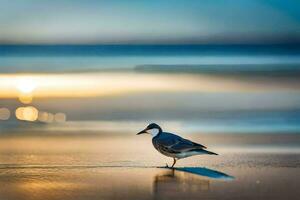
(127, 167)
(145, 183)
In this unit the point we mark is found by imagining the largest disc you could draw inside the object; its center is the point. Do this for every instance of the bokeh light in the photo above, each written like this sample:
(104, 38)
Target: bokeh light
(28, 113)
(25, 98)
(4, 114)
(60, 117)
(43, 116)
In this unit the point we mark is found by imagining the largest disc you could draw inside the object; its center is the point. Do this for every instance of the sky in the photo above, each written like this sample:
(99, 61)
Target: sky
(144, 21)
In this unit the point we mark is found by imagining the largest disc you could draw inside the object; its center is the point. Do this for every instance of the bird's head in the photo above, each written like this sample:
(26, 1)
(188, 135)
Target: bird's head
(152, 129)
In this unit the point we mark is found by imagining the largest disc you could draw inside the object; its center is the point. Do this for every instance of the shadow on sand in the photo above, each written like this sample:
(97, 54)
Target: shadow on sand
(202, 171)
(185, 182)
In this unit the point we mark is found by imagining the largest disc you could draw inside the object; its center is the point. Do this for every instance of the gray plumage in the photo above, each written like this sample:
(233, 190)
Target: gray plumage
(172, 145)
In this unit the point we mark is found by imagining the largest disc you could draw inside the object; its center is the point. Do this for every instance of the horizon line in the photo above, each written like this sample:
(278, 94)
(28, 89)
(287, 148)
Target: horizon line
(151, 44)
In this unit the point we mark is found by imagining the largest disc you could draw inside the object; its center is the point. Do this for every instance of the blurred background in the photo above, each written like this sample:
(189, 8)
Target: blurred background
(112, 66)
(193, 88)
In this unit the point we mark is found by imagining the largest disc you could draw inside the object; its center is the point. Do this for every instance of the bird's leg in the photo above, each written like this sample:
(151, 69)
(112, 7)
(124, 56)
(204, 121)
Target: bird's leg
(167, 166)
(174, 162)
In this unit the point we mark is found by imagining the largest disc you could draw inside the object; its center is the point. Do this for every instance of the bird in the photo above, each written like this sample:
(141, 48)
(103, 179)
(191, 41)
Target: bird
(172, 145)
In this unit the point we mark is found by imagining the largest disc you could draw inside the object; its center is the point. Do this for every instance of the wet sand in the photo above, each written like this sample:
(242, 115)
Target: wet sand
(127, 167)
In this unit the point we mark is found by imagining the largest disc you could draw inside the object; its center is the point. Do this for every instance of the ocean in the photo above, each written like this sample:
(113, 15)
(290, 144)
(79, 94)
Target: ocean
(208, 88)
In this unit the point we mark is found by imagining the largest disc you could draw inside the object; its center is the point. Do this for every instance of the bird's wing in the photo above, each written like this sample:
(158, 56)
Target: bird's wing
(194, 143)
(178, 144)
(185, 145)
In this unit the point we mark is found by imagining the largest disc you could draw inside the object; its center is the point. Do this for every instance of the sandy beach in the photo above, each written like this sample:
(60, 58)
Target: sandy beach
(127, 167)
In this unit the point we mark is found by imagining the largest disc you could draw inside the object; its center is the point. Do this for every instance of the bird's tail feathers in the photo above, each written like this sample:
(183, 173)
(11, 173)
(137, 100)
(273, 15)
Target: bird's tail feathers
(212, 153)
(207, 152)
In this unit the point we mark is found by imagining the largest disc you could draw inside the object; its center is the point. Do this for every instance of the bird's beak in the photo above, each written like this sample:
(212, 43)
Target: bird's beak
(141, 132)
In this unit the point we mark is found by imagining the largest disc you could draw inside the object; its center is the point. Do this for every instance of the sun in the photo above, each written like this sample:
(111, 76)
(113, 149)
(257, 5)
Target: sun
(26, 85)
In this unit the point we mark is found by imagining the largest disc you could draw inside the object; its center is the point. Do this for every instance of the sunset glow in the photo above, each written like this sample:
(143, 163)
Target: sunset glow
(26, 87)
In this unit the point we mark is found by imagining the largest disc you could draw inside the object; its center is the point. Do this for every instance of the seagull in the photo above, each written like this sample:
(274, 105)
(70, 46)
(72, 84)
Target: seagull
(172, 145)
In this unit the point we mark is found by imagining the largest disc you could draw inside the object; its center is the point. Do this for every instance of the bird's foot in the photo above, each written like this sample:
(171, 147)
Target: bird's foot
(167, 166)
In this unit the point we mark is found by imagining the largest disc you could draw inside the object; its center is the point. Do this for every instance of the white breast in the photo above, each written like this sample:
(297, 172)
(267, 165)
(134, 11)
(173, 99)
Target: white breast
(153, 132)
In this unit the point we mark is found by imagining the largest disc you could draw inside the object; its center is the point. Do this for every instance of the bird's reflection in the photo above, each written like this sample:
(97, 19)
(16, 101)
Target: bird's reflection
(205, 172)
(185, 182)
